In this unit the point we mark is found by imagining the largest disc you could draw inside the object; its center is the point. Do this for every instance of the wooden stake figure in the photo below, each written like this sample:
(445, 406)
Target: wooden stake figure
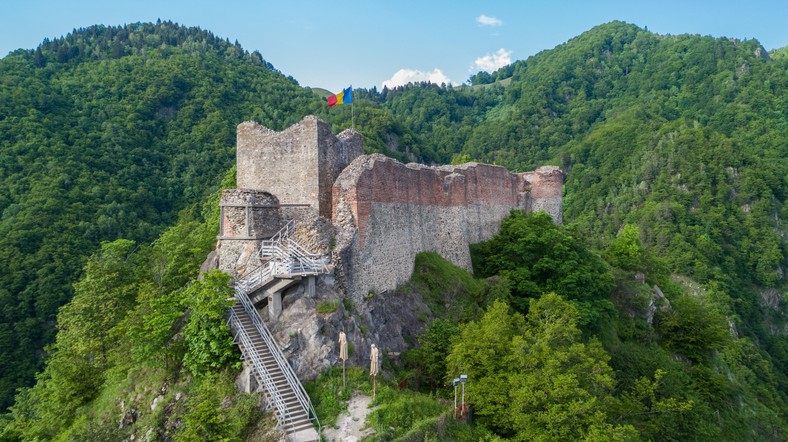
(374, 367)
(343, 353)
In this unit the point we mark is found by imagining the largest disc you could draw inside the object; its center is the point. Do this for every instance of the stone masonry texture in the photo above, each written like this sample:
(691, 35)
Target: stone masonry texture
(384, 212)
(373, 215)
(299, 164)
(246, 217)
(388, 212)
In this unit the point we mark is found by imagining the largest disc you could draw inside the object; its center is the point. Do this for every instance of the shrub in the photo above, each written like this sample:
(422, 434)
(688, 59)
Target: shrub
(327, 307)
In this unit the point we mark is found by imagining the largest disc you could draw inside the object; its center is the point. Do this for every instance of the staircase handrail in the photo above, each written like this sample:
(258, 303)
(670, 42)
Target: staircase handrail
(290, 376)
(316, 263)
(296, 248)
(256, 277)
(259, 366)
(289, 256)
(299, 252)
(269, 245)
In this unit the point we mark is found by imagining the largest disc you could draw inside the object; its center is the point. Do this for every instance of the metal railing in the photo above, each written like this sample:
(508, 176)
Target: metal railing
(318, 263)
(289, 257)
(242, 337)
(285, 259)
(269, 246)
(287, 370)
(256, 278)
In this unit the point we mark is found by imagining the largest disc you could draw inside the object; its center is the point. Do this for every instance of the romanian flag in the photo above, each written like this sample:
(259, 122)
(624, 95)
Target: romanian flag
(344, 97)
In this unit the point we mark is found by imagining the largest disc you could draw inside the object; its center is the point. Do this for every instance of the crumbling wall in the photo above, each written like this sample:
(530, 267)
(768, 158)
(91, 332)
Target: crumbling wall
(246, 217)
(545, 185)
(387, 212)
(298, 165)
(382, 214)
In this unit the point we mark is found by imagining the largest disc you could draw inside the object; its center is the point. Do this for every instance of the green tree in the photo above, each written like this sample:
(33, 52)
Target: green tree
(537, 256)
(216, 412)
(430, 358)
(87, 344)
(532, 377)
(625, 251)
(693, 329)
(209, 344)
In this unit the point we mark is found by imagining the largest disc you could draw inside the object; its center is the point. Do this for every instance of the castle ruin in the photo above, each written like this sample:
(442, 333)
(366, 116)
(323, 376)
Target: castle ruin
(376, 212)
(314, 222)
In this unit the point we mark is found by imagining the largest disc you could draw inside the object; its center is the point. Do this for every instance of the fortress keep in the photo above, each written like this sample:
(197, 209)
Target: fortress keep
(382, 212)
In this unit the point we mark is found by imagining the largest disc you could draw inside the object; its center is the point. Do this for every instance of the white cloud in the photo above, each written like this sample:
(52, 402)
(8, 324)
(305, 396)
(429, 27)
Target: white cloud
(405, 76)
(491, 62)
(486, 20)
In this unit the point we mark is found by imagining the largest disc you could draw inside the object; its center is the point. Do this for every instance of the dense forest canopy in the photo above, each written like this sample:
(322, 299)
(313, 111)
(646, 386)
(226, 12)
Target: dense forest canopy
(113, 141)
(684, 136)
(108, 133)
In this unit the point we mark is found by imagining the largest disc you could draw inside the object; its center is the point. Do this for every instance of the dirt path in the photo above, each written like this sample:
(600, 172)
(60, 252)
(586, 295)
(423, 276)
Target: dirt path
(351, 422)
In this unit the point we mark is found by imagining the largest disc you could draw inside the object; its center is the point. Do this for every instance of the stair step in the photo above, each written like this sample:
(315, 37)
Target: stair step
(296, 422)
(293, 404)
(299, 421)
(297, 427)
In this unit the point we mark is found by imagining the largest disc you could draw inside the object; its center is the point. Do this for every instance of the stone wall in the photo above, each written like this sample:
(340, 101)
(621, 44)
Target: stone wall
(246, 217)
(545, 185)
(387, 212)
(298, 165)
(374, 215)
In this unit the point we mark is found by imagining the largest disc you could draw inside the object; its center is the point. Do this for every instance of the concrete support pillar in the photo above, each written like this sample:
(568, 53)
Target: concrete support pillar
(274, 305)
(310, 287)
(246, 381)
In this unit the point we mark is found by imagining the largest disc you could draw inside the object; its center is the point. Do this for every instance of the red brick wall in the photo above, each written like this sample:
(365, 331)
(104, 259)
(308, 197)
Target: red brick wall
(384, 180)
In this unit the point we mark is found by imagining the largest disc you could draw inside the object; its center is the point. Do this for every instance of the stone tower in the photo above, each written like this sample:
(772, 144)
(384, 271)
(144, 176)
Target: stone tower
(299, 164)
(281, 176)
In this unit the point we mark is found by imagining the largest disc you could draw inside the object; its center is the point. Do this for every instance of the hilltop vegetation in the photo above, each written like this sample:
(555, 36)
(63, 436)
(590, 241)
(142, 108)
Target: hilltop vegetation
(108, 133)
(682, 136)
(113, 141)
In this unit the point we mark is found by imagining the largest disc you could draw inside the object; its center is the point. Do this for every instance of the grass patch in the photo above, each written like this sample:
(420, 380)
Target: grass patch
(449, 291)
(327, 307)
(328, 395)
(350, 306)
(398, 411)
(408, 416)
(399, 415)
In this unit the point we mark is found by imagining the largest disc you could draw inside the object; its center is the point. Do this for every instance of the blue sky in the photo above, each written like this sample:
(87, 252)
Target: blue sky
(333, 44)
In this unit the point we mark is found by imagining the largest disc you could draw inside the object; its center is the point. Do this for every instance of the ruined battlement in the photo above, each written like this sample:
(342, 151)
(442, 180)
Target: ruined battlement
(388, 212)
(384, 212)
(299, 164)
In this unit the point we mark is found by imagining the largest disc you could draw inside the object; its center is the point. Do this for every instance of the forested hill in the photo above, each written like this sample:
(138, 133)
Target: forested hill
(684, 136)
(108, 133)
(682, 139)
(676, 141)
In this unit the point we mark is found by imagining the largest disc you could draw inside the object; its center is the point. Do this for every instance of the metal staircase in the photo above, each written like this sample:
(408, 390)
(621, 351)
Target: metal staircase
(283, 259)
(286, 260)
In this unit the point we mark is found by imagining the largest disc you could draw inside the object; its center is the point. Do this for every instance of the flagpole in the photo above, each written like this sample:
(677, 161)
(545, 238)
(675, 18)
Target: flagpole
(352, 111)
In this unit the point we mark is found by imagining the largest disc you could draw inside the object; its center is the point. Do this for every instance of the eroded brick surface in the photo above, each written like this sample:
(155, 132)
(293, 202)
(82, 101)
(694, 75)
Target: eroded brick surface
(388, 212)
(383, 212)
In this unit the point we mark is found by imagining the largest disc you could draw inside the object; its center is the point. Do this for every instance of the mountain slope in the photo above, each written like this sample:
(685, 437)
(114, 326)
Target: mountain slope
(678, 142)
(105, 134)
(637, 120)
(683, 137)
